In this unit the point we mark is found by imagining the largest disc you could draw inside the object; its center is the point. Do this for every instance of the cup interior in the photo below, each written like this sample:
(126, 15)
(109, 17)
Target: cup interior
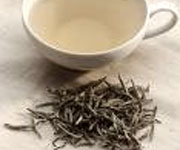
(123, 19)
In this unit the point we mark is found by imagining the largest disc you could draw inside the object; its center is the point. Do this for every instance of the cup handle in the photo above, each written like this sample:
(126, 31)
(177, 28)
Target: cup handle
(163, 7)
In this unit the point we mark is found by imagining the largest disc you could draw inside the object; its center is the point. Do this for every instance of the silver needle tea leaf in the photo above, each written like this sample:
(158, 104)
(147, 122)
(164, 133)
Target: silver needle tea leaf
(99, 112)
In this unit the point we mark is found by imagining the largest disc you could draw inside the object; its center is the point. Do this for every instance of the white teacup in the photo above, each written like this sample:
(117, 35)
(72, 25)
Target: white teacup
(88, 61)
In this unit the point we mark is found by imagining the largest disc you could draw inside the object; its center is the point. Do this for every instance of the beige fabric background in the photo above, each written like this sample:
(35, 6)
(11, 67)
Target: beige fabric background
(24, 74)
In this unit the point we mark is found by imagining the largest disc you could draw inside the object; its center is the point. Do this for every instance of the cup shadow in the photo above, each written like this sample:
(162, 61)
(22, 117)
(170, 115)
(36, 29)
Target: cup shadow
(56, 75)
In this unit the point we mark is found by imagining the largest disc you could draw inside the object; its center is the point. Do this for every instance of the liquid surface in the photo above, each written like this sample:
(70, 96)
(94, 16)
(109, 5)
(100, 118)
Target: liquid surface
(86, 26)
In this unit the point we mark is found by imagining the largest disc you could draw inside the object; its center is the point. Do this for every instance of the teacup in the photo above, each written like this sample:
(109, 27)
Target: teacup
(91, 60)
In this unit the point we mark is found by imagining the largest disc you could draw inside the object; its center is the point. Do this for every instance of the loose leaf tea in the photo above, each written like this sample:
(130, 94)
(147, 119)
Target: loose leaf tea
(110, 115)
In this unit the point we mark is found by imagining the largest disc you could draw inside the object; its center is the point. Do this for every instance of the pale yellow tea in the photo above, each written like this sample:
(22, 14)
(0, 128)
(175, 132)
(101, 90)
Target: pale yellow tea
(86, 26)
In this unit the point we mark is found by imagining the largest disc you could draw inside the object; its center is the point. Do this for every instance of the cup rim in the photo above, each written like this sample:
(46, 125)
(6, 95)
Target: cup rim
(63, 50)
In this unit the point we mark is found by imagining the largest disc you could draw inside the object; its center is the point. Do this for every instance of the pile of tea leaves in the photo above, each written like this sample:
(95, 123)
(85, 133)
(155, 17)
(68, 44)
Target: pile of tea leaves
(113, 116)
